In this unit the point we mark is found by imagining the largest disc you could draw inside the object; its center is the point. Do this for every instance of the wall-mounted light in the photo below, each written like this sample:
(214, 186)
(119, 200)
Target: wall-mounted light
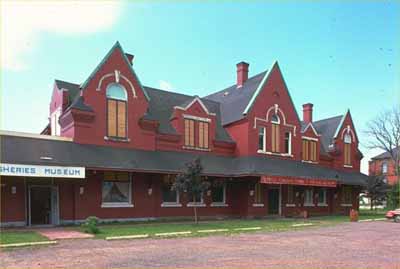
(209, 193)
(297, 194)
(335, 196)
(13, 190)
(81, 190)
(251, 193)
(149, 191)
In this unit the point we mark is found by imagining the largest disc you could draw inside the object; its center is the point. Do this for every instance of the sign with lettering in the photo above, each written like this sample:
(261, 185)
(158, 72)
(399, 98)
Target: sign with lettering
(298, 181)
(22, 170)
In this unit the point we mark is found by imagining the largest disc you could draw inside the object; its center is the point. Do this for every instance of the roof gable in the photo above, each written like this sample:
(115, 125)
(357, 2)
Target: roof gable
(187, 104)
(345, 116)
(305, 127)
(327, 128)
(116, 47)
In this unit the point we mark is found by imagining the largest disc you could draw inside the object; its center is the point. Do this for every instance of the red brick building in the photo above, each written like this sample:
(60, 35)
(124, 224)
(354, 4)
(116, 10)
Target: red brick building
(113, 146)
(383, 165)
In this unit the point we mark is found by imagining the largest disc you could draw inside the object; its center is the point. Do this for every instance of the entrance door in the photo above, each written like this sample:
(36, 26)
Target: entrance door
(273, 201)
(40, 205)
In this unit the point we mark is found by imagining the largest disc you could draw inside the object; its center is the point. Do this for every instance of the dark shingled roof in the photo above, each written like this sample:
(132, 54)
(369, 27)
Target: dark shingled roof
(24, 150)
(327, 128)
(163, 102)
(234, 100)
(72, 88)
(79, 104)
(386, 154)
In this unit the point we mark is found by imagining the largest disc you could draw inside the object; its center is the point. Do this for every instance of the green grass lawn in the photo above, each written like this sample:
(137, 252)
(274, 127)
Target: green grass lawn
(11, 237)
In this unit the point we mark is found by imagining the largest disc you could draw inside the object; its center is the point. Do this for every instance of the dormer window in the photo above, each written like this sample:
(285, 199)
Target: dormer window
(200, 126)
(275, 136)
(347, 149)
(116, 111)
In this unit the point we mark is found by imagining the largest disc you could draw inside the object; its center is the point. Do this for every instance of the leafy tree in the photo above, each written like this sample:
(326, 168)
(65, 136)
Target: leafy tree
(376, 190)
(394, 196)
(384, 133)
(191, 182)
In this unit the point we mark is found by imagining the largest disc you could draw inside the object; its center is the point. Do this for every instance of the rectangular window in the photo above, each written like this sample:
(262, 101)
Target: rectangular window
(322, 196)
(288, 143)
(218, 194)
(384, 168)
(309, 150)
(168, 195)
(258, 194)
(116, 188)
(261, 139)
(308, 197)
(347, 154)
(203, 134)
(116, 118)
(275, 138)
(198, 199)
(290, 195)
(189, 133)
(346, 195)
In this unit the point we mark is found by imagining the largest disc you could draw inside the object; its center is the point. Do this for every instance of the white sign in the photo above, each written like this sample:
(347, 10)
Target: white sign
(21, 170)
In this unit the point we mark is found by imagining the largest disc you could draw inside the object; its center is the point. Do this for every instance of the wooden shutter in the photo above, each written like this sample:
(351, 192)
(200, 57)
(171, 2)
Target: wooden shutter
(201, 134)
(313, 151)
(189, 132)
(306, 150)
(121, 119)
(347, 154)
(186, 132)
(111, 117)
(275, 138)
(205, 134)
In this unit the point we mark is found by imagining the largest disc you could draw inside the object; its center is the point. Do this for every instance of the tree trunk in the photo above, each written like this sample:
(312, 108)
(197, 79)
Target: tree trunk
(372, 204)
(195, 209)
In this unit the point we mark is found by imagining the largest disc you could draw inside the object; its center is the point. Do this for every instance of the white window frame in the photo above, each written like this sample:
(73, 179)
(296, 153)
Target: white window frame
(324, 203)
(54, 122)
(171, 204)
(384, 168)
(347, 138)
(311, 194)
(223, 203)
(276, 122)
(264, 149)
(197, 204)
(290, 143)
(118, 204)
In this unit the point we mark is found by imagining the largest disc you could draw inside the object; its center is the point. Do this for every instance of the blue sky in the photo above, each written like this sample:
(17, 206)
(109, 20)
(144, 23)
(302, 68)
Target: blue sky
(337, 55)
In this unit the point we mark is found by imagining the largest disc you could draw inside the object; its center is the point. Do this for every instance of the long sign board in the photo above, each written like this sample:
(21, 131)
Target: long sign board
(22, 170)
(298, 181)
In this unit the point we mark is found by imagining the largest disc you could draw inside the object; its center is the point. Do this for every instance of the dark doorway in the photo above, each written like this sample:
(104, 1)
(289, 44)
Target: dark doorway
(40, 204)
(273, 201)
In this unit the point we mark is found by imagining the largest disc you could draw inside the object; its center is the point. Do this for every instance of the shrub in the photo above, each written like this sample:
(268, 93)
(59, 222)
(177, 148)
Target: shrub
(394, 197)
(90, 225)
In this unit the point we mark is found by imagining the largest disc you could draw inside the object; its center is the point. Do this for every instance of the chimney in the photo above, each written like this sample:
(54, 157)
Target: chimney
(242, 70)
(307, 112)
(130, 57)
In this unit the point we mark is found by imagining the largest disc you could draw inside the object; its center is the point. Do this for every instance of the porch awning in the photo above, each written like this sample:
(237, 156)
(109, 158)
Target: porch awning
(298, 181)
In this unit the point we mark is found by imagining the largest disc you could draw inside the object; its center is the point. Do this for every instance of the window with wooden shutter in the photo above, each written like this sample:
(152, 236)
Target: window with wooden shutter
(313, 146)
(203, 134)
(309, 150)
(275, 138)
(189, 133)
(258, 193)
(347, 154)
(116, 111)
(305, 146)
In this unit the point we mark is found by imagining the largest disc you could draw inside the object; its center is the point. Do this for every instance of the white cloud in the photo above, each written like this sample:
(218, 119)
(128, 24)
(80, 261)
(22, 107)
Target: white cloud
(23, 21)
(166, 86)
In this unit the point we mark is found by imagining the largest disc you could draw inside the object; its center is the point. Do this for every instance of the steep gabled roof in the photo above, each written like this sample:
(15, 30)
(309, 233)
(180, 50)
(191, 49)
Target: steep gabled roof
(79, 104)
(161, 107)
(327, 128)
(72, 88)
(386, 154)
(234, 101)
(116, 46)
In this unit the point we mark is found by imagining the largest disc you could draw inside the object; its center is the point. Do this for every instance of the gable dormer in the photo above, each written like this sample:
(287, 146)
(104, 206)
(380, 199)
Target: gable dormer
(117, 101)
(196, 124)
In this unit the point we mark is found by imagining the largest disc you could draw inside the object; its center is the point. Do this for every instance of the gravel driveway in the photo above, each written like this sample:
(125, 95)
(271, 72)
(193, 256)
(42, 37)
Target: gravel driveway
(350, 245)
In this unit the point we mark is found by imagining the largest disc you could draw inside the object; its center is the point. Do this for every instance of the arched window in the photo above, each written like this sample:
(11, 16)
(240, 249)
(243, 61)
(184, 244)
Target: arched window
(116, 111)
(275, 135)
(347, 149)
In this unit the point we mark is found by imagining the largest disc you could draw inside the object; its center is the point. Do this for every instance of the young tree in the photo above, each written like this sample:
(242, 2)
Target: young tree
(384, 132)
(394, 196)
(376, 190)
(191, 182)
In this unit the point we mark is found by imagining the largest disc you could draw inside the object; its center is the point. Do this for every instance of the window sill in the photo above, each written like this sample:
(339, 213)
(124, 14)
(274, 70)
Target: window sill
(323, 205)
(116, 139)
(309, 205)
(348, 166)
(346, 205)
(290, 205)
(170, 204)
(275, 153)
(304, 161)
(196, 205)
(258, 205)
(219, 205)
(115, 205)
(196, 148)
